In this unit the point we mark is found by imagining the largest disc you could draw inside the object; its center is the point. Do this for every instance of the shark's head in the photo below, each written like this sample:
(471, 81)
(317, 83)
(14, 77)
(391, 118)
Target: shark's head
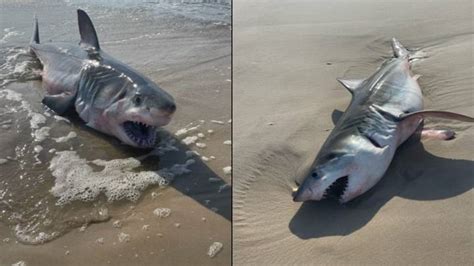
(117, 100)
(129, 109)
(135, 117)
(329, 178)
(339, 174)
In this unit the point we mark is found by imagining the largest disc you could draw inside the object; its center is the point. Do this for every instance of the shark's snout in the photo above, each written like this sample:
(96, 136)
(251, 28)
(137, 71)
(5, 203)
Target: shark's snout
(302, 195)
(307, 191)
(315, 188)
(168, 108)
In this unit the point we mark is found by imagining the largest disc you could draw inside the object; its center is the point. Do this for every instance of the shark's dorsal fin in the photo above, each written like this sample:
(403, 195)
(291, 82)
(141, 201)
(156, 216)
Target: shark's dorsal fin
(86, 29)
(35, 38)
(350, 84)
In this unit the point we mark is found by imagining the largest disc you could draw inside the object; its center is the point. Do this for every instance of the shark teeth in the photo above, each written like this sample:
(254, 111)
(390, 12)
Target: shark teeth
(337, 188)
(142, 134)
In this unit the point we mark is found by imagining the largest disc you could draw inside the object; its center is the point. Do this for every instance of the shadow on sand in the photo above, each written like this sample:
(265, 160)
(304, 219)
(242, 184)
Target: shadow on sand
(423, 177)
(198, 187)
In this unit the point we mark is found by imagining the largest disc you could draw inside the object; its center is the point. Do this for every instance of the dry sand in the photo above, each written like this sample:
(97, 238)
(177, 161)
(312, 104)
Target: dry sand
(287, 57)
(188, 57)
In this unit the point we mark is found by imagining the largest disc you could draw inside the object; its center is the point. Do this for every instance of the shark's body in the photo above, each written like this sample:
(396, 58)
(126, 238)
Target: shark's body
(385, 110)
(107, 94)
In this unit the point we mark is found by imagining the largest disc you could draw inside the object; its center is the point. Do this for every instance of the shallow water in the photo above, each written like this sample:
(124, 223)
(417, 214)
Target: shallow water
(170, 42)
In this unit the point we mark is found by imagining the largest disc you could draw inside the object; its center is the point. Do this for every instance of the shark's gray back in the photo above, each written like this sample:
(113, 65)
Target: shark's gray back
(391, 87)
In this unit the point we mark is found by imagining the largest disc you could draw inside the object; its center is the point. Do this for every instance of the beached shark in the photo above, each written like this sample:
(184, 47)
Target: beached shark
(385, 110)
(108, 95)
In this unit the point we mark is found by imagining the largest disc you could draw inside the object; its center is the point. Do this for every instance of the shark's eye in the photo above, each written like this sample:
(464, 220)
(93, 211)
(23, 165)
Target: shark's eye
(314, 174)
(138, 99)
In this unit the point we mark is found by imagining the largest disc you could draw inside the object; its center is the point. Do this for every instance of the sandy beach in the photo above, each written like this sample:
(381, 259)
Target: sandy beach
(182, 46)
(287, 57)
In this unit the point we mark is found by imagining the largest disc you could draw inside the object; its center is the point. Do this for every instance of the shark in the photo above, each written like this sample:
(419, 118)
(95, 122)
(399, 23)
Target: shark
(385, 110)
(108, 95)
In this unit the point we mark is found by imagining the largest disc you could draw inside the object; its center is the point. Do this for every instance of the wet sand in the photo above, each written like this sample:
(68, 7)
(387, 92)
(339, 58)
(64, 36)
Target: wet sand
(287, 57)
(187, 55)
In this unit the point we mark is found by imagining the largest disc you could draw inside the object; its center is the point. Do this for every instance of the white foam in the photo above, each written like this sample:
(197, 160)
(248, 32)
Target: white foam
(201, 145)
(41, 134)
(217, 122)
(3, 161)
(6, 122)
(214, 179)
(162, 212)
(223, 187)
(8, 33)
(117, 224)
(184, 131)
(100, 240)
(200, 135)
(69, 136)
(215, 248)
(227, 170)
(164, 146)
(23, 235)
(60, 118)
(38, 149)
(83, 228)
(122, 237)
(227, 142)
(36, 119)
(190, 140)
(19, 263)
(177, 169)
(76, 180)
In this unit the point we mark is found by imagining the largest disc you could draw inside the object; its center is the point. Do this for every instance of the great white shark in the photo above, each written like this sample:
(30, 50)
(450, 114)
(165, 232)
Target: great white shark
(108, 95)
(384, 111)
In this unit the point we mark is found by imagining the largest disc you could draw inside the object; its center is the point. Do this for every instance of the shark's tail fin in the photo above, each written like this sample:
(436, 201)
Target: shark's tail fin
(398, 50)
(35, 38)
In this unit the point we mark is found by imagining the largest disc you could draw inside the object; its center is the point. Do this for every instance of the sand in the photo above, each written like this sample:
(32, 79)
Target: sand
(287, 57)
(186, 55)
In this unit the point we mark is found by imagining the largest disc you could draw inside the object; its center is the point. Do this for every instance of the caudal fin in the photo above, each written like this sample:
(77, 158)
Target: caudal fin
(398, 50)
(35, 38)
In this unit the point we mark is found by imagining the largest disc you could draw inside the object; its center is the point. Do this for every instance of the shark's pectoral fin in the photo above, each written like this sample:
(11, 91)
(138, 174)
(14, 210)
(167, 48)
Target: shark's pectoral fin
(351, 84)
(59, 103)
(416, 77)
(439, 114)
(392, 113)
(336, 115)
(86, 29)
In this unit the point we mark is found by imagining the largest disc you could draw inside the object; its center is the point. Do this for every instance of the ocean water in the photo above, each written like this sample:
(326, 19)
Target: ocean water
(55, 173)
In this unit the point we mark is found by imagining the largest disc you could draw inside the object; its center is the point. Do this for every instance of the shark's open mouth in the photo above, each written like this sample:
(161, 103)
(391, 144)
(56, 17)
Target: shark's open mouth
(336, 189)
(142, 134)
